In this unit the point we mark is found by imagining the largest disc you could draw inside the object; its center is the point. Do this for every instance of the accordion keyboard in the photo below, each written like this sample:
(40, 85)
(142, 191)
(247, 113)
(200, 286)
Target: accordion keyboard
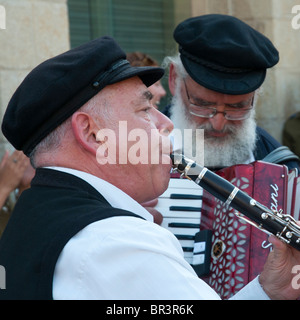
(180, 206)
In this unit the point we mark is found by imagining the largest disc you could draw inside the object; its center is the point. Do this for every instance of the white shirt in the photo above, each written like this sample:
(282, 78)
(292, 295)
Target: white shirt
(126, 258)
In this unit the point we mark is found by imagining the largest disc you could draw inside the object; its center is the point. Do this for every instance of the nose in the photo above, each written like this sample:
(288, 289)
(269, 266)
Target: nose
(218, 122)
(163, 123)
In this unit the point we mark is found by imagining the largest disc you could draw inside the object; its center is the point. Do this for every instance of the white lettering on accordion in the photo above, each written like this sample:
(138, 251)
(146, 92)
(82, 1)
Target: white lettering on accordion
(274, 196)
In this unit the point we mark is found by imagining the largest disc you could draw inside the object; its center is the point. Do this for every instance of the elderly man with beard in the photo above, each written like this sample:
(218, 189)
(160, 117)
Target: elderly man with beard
(215, 81)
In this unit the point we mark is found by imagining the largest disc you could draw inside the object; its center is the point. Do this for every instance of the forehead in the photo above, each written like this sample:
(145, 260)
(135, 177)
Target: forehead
(130, 89)
(196, 91)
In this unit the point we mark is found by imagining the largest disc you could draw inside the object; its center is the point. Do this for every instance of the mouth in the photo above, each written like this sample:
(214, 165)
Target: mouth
(217, 134)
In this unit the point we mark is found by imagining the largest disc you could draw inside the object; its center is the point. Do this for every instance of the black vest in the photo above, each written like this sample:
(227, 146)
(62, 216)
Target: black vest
(56, 207)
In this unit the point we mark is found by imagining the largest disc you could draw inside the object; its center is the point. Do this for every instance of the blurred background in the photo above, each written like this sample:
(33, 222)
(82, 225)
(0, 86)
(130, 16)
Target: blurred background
(39, 29)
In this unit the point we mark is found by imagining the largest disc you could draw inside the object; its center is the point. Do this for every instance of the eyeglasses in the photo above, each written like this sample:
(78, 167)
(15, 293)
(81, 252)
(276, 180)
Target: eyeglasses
(239, 112)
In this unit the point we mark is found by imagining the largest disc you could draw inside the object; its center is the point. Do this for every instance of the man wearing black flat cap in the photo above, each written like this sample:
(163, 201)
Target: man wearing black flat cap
(79, 232)
(216, 80)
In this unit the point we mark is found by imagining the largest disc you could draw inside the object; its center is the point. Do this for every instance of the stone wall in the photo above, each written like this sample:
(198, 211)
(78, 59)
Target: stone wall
(35, 31)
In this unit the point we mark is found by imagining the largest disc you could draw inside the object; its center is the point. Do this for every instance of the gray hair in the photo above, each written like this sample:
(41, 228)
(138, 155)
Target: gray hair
(176, 61)
(51, 142)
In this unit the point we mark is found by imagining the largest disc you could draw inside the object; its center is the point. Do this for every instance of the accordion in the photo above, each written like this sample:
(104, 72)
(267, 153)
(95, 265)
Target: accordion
(225, 251)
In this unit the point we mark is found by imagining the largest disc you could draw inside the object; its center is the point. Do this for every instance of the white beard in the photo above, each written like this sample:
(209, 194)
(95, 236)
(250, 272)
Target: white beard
(236, 148)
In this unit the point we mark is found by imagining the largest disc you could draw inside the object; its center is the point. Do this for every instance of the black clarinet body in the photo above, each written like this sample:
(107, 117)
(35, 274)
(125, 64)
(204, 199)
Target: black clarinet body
(281, 225)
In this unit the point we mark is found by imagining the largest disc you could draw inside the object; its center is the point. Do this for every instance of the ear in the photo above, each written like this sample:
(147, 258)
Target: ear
(172, 79)
(85, 131)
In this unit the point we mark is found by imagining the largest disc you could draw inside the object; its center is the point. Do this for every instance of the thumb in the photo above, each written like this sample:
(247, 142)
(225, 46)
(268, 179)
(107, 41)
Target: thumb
(280, 248)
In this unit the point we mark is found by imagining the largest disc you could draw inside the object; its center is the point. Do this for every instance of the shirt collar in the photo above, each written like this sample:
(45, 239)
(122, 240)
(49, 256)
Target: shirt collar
(113, 195)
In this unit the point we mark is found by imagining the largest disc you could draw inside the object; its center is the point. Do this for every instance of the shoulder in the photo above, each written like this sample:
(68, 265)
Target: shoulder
(119, 231)
(264, 137)
(101, 257)
(295, 116)
(265, 143)
(292, 124)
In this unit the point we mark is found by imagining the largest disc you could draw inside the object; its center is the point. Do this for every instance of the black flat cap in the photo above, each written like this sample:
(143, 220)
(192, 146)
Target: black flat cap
(58, 87)
(224, 54)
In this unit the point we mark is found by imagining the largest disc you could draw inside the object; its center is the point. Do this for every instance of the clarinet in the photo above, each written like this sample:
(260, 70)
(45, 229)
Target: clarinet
(281, 225)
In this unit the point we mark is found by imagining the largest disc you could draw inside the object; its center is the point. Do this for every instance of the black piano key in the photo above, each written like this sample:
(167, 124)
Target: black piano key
(185, 196)
(184, 237)
(183, 225)
(188, 249)
(184, 208)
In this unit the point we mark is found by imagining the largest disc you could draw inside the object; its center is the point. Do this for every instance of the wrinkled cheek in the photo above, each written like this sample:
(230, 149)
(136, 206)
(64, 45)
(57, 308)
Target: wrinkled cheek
(135, 146)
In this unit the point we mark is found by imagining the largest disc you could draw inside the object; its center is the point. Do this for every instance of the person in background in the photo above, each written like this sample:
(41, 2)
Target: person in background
(140, 59)
(291, 133)
(215, 80)
(16, 174)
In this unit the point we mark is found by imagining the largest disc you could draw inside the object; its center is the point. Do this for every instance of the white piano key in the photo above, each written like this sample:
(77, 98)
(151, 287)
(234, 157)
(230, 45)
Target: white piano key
(164, 205)
(183, 231)
(187, 243)
(183, 184)
(169, 191)
(181, 187)
(179, 214)
(167, 203)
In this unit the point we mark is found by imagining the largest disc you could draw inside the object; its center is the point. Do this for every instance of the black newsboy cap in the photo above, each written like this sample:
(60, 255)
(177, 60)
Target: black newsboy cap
(58, 87)
(224, 54)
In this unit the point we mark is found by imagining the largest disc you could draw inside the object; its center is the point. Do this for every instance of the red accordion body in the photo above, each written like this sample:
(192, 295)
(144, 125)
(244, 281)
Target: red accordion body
(238, 249)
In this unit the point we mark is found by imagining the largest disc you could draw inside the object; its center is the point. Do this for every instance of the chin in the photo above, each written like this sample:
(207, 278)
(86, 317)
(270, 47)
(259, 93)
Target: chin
(163, 182)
